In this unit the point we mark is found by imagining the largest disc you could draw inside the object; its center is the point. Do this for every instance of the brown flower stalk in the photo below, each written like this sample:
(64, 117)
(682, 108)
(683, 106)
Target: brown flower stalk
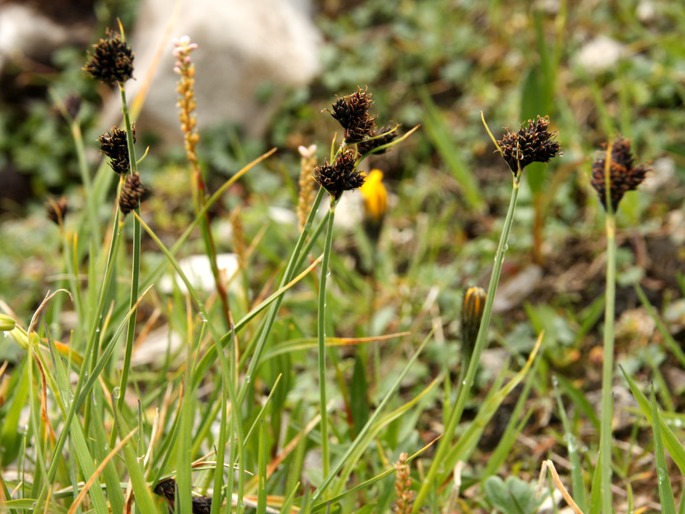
(624, 175)
(307, 183)
(238, 238)
(186, 103)
(186, 109)
(405, 496)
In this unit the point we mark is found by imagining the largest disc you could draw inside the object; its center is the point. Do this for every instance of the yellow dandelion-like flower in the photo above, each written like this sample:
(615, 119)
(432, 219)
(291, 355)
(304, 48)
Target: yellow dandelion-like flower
(375, 196)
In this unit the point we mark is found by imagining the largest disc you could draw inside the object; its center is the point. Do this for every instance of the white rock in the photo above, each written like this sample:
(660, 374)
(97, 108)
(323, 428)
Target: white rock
(242, 46)
(646, 11)
(198, 270)
(154, 349)
(25, 33)
(600, 54)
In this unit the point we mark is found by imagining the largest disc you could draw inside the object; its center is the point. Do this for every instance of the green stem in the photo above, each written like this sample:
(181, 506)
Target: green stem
(91, 206)
(210, 248)
(90, 355)
(326, 457)
(135, 265)
(227, 381)
(288, 275)
(481, 342)
(607, 409)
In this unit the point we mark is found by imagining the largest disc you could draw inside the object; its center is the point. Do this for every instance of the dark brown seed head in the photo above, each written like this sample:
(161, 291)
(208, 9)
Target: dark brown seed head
(110, 60)
(623, 174)
(166, 488)
(57, 210)
(131, 193)
(376, 139)
(202, 505)
(341, 176)
(352, 112)
(114, 145)
(532, 143)
(350, 109)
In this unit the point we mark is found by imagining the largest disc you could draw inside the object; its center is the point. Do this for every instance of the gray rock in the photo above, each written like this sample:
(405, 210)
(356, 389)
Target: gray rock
(242, 47)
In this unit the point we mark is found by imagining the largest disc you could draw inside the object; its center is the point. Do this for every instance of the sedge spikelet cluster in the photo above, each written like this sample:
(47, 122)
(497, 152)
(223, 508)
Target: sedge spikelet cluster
(110, 60)
(361, 139)
(624, 175)
(532, 143)
(131, 193)
(342, 175)
(167, 489)
(114, 144)
(354, 115)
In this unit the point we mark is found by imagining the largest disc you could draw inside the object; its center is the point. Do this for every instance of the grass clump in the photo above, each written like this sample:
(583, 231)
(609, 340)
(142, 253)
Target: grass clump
(373, 355)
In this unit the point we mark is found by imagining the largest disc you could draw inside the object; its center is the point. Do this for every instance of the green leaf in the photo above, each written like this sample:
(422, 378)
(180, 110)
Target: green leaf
(671, 442)
(578, 489)
(359, 396)
(10, 437)
(261, 476)
(664, 484)
(511, 497)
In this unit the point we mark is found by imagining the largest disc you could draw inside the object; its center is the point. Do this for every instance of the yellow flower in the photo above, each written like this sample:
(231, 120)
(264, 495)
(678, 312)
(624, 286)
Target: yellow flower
(375, 196)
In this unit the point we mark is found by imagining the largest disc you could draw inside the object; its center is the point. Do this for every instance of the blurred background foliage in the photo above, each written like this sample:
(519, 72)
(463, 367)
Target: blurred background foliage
(437, 63)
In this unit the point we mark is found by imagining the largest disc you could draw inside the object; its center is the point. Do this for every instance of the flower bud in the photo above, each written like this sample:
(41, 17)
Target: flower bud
(471, 315)
(7, 323)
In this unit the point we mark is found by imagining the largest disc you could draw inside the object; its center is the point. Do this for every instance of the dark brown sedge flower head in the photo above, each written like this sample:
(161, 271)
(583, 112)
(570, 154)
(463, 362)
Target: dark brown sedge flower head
(167, 489)
(623, 174)
(131, 193)
(376, 139)
(352, 112)
(57, 210)
(110, 60)
(532, 143)
(114, 145)
(340, 176)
